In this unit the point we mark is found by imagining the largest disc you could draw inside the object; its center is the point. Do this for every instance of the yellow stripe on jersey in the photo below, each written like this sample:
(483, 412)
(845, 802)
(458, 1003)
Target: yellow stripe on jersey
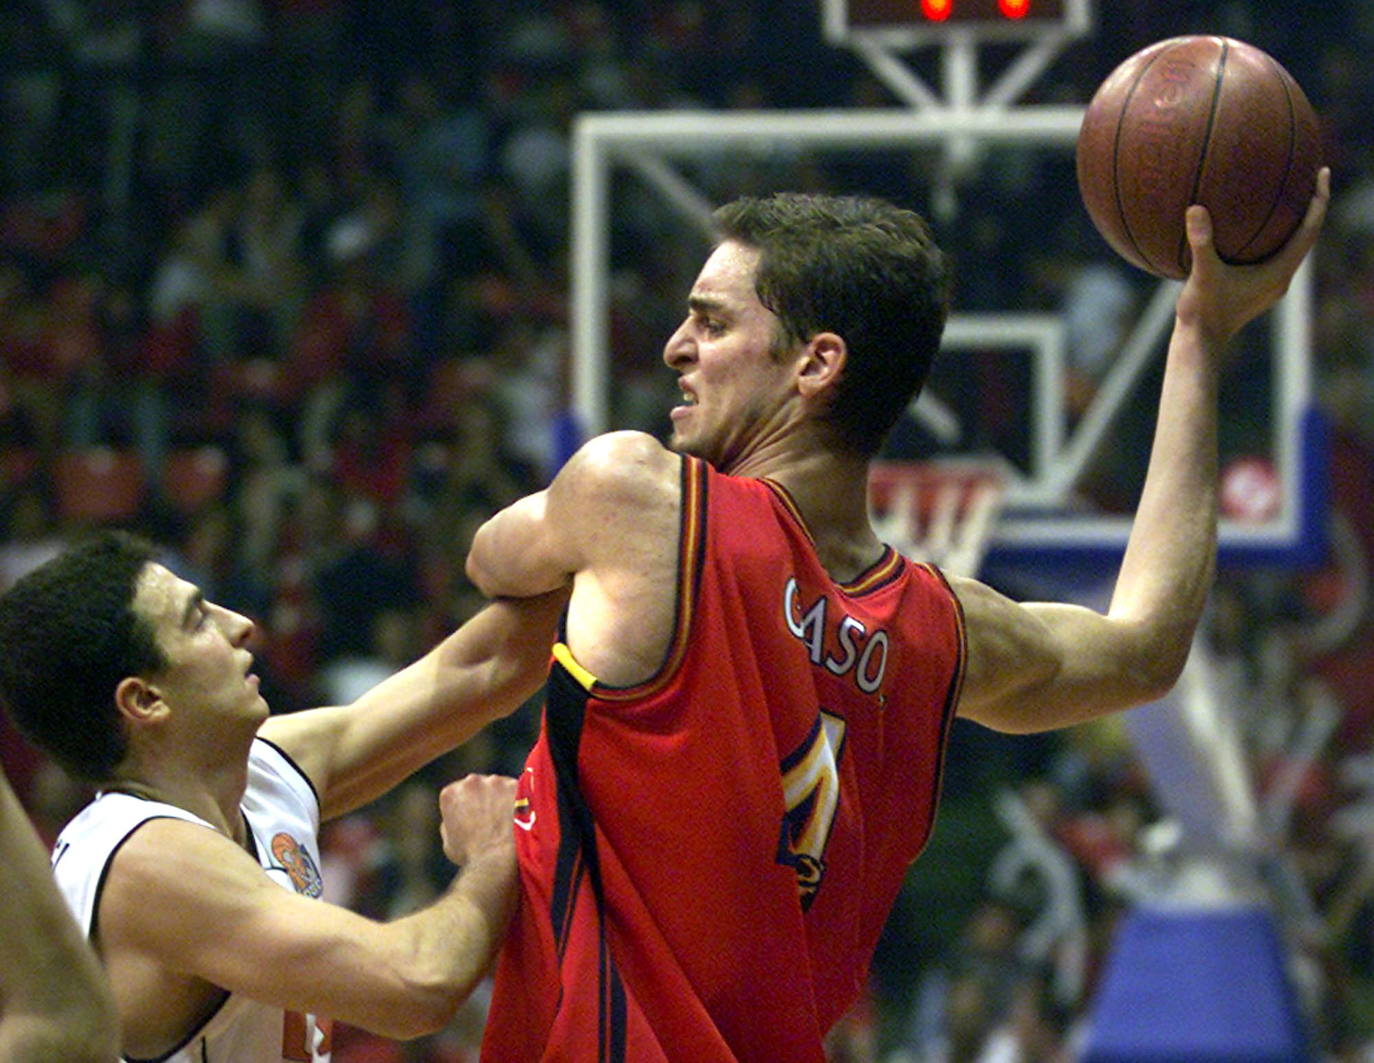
(564, 656)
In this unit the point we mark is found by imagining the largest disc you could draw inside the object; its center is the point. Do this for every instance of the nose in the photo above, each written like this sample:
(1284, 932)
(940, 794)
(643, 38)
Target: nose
(677, 350)
(237, 628)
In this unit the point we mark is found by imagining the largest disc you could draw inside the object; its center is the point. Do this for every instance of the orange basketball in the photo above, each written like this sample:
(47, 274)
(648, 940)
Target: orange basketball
(1197, 119)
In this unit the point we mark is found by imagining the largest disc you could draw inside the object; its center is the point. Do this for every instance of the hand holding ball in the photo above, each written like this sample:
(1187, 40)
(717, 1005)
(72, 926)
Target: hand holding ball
(1207, 120)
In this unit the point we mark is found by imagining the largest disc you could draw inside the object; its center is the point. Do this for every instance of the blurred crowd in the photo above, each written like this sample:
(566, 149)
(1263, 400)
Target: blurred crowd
(284, 283)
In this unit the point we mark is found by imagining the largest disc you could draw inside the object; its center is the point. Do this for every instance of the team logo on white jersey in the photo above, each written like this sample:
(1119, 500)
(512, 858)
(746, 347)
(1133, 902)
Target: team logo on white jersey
(293, 858)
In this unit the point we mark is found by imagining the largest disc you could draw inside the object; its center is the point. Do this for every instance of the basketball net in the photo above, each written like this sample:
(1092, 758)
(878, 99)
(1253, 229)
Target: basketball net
(939, 512)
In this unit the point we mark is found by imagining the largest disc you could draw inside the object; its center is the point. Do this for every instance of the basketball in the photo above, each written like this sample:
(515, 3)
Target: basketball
(1197, 119)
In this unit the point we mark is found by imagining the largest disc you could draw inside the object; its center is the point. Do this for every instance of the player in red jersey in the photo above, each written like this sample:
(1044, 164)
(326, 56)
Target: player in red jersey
(746, 720)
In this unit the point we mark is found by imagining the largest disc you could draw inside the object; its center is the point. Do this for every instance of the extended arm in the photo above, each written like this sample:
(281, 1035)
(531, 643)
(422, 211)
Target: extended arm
(54, 1000)
(484, 670)
(1039, 666)
(189, 900)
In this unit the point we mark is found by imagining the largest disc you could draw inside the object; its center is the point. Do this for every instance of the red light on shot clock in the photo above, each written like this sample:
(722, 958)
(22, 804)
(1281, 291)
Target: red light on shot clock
(1014, 8)
(936, 10)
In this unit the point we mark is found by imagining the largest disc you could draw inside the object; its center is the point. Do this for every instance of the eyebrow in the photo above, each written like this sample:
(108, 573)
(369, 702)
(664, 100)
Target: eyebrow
(705, 304)
(193, 603)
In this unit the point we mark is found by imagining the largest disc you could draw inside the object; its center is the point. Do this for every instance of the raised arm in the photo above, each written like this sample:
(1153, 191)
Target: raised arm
(187, 899)
(55, 1002)
(1039, 666)
(484, 670)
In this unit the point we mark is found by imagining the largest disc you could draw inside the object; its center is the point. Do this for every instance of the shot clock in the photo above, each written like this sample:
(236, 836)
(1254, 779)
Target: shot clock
(988, 19)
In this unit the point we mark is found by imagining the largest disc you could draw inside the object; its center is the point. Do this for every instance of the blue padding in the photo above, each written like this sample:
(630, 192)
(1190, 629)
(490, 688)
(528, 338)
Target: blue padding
(1196, 987)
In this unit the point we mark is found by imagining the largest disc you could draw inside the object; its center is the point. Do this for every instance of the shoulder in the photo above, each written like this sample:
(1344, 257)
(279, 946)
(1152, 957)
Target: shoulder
(616, 453)
(163, 854)
(111, 817)
(619, 466)
(277, 782)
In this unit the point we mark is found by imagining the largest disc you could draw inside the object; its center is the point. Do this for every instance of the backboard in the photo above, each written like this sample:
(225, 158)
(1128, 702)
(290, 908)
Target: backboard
(1069, 420)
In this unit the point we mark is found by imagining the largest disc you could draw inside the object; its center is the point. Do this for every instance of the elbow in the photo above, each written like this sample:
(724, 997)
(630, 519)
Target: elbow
(473, 567)
(428, 1009)
(1150, 656)
(1159, 677)
(421, 1021)
(1159, 669)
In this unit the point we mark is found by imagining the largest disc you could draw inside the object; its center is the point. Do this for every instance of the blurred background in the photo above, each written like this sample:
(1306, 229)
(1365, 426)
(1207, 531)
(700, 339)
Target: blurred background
(284, 284)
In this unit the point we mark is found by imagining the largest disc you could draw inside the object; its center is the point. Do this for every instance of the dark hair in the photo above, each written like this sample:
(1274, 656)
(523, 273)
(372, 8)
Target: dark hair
(68, 635)
(864, 269)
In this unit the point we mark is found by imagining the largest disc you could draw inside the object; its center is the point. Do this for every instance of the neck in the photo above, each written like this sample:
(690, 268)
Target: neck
(213, 795)
(831, 491)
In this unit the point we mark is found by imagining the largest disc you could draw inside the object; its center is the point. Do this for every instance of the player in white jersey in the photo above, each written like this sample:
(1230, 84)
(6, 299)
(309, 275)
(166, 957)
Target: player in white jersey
(196, 869)
(282, 819)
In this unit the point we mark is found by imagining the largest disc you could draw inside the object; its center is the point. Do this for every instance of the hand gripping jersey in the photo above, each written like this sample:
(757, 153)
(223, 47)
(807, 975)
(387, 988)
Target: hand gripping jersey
(282, 813)
(707, 859)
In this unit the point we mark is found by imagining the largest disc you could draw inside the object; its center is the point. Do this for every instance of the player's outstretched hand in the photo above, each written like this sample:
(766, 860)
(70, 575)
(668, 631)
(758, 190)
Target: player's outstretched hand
(476, 813)
(1221, 299)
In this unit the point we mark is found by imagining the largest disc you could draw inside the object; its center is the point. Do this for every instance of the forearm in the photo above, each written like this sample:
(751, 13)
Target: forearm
(401, 979)
(486, 669)
(448, 948)
(480, 903)
(1171, 554)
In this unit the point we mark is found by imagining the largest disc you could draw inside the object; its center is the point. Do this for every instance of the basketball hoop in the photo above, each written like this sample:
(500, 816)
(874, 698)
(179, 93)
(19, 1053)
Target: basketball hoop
(940, 512)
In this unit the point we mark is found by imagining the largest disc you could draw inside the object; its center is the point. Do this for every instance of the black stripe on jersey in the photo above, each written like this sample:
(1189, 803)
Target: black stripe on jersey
(563, 716)
(611, 1021)
(951, 707)
(576, 862)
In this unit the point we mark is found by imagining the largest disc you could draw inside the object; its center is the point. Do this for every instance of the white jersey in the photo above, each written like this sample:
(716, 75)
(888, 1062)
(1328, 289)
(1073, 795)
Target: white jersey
(282, 813)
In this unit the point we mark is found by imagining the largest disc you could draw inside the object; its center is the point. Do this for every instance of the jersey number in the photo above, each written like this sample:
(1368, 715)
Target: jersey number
(303, 1036)
(811, 793)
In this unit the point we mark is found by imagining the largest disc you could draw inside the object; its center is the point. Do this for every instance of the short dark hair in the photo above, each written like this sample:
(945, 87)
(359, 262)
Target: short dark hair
(68, 635)
(860, 267)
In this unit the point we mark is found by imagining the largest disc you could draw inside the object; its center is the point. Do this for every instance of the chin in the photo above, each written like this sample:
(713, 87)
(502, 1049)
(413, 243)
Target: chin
(680, 443)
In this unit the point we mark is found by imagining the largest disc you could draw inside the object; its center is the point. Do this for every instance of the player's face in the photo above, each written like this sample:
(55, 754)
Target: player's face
(734, 390)
(208, 663)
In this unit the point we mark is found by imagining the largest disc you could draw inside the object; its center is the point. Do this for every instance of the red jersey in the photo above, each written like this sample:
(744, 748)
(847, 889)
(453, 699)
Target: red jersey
(707, 858)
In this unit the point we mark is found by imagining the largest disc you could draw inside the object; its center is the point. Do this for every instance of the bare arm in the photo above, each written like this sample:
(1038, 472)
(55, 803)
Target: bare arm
(590, 516)
(484, 670)
(189, 900)
(1039, 666)
(607, 526)
(55, 1002)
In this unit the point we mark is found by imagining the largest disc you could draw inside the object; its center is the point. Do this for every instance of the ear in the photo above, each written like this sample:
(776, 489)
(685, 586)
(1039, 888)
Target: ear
(137, 700)
(822, 364)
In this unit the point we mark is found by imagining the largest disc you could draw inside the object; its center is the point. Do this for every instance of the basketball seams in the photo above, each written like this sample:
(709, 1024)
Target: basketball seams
(1183, 255)
(1198, 119)
(1281, 189)
(1118, 132)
